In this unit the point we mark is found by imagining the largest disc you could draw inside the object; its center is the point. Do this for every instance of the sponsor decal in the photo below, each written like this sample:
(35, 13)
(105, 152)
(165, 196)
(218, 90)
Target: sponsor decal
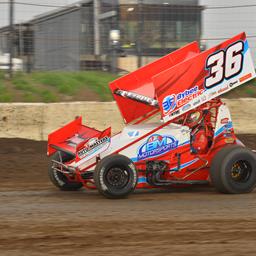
(232, 84)
(228, 127)
(186, 107)
(211, 94)
(177, 112)
(156, 145)
(221, 90)
(197, 102)
(224, 120)
(170, 102)
(247, 76)
(133, 134)
(92, 146)
(203, 98)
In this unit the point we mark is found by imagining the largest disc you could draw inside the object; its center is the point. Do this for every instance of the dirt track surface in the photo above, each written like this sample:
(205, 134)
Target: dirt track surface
(37, 219)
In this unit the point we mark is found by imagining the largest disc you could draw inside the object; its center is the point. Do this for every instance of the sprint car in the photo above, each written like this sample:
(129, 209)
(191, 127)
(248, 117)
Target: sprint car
(190, 141)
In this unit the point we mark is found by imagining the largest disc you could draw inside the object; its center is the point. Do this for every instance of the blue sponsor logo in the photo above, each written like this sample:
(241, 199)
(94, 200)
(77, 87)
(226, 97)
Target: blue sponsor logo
(133, 134)
(169, 103)
(156, 145)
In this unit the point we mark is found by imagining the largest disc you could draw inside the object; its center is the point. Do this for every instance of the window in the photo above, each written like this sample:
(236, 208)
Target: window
(160, 28)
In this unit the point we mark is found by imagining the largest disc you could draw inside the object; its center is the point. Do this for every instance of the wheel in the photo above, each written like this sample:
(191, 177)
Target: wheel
(233, 170)
(59, 179)
(115, 176)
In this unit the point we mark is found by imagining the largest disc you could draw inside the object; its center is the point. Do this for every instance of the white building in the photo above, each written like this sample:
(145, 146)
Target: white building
(227, 22)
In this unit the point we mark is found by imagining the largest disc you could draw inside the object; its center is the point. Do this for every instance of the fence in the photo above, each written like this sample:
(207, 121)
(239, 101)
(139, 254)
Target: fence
(113, 35)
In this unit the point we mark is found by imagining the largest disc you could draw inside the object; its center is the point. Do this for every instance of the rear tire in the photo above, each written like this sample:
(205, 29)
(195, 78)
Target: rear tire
(233, 170)
(115, 176)
(59, 179)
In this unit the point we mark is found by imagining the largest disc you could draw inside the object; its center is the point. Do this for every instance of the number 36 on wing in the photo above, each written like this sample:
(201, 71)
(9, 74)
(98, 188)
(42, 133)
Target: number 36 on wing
(224, 64)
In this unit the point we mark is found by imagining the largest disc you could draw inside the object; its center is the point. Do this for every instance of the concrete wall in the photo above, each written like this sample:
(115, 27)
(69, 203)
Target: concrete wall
(36, 120)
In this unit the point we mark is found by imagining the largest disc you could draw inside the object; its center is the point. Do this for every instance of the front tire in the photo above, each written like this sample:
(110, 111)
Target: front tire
(115, 176)
(59, 179)
(233, 170)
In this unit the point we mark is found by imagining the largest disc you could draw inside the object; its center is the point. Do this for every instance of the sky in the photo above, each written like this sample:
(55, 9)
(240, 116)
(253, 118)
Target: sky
(25, 13)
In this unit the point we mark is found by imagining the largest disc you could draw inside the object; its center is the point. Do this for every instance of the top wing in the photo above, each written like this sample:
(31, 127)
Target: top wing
(135, 93)
(203, 77)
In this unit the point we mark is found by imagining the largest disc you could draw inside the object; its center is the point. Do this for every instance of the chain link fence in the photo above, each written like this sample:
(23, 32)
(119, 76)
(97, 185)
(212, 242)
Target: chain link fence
(113, 35)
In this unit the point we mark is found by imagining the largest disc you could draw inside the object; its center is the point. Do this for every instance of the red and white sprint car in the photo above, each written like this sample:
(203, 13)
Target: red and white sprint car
(192, 141)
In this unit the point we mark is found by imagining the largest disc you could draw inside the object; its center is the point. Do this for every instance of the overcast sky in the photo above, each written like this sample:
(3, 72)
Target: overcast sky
(24, 13)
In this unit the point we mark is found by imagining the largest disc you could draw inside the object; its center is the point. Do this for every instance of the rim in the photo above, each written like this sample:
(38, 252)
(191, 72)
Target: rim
(241, 171)
(116, 177)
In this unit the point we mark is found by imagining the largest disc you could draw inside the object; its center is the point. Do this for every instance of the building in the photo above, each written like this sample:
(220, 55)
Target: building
(22, 43)
(228, 19)
(23, 39)
(77, 37)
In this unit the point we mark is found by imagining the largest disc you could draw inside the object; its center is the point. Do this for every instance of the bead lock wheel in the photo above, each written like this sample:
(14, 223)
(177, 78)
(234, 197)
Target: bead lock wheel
(241, 171)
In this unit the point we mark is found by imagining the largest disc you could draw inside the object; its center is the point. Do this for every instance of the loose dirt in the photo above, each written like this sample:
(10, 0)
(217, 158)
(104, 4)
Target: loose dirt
(38, 219)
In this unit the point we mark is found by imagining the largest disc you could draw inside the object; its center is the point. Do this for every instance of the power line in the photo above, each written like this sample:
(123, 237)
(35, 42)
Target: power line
(229, 7)
(66, 39)
(40, 5)
(206, 7)
(224, 38)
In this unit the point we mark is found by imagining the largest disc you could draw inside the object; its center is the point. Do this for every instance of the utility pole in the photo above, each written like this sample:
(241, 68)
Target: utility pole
(29, 48)
(164, 10)
(11, 35)
(140, 32)
(96, 12)
(21, 46)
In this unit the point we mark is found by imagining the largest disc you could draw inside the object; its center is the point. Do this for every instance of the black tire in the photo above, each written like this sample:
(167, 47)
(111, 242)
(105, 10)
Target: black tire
(59, 179)
(115, 176)
(233, 170)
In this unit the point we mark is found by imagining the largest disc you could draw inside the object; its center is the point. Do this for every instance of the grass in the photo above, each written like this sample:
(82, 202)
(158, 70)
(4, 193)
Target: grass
(4, 95)
(251, 91)
(70, 83)
(56, 86)
(74, 86)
